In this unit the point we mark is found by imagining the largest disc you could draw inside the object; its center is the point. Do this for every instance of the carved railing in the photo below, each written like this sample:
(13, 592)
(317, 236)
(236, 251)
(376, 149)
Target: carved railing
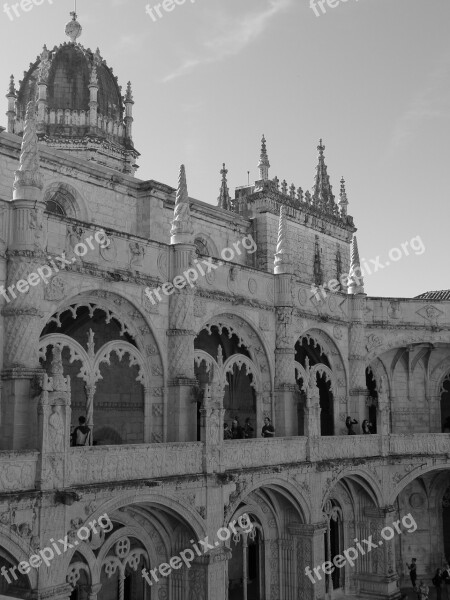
(17, 470)
(122, 463)
(420, 443)
(236, 454)
(351, 446)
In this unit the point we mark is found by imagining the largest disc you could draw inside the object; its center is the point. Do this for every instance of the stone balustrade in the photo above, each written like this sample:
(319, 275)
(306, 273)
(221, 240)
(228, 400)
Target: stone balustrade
(17, 470)
(102, 464)
(143, 461)
(237, 454)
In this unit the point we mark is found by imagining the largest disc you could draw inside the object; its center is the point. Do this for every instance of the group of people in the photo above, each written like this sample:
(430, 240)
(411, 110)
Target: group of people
(239, 432)
(440, 581)
(366, 426)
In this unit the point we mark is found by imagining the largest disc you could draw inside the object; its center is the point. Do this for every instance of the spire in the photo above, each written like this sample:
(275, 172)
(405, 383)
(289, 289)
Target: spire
(129, 94)
(12, 88)
(322, 196)
(28, 174)
(356, 281)
(182, 228)
(264, 164)
(73, 28)
(282, 264)
(224, 200)
(343, 202)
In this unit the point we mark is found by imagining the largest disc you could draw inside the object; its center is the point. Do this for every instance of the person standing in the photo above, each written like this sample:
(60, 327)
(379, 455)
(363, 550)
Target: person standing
(248, 429)
(237, 430)
(366, 427)
(349, 422)
(81, 435)
(413, 572)
(268, 430)
(227, 433)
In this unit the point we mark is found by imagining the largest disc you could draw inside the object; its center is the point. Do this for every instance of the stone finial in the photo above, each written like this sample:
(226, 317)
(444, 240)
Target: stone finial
(73, 28)
(282, 263)
(28, 174)
(276, 182)
(323, 196)
(300, 194)
(343, 202)
(264, 164)
(292, 191)
(284, 187)
(129, 94)
(224, 200)
(182, 228)
(308, 198)
(356, 281)
(12, 88)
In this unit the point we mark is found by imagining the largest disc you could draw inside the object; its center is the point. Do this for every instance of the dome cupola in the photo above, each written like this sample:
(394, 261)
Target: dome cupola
(80, 107)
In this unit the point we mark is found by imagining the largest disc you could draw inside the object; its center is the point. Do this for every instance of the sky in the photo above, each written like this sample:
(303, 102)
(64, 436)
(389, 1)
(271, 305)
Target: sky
(370, 77)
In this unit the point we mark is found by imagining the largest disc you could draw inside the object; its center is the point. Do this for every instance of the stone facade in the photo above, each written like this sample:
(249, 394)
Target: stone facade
(157, 379)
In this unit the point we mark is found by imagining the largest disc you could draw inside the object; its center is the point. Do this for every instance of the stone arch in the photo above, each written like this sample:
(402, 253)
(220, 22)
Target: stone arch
(289, 490)
(176, 506)
(335, 374)
(272, 506)
(70, 200)
(146, 355)
(411, 476)
(19, 550)
(257, 362)
(367, 480)
(401, 340)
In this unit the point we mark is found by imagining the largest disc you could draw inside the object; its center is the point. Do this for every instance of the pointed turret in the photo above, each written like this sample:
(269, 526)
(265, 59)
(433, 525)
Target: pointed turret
(224, 200)
(343, 201)
(28, 176)
(323, 196)
(356, 281)
(182, 228)
(264, 164)
(11, 96)
(282, 264)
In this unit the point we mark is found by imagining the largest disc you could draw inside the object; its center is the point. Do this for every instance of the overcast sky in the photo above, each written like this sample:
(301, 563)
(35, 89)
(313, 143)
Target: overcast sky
(371, 77)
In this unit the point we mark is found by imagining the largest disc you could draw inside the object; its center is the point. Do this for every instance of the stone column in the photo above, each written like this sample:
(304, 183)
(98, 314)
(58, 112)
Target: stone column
(286, 406)
(383, 582)
(384, 416)
(93, 103)
(54, 427)
(182, 423)
(208, 576)
(212, 413)
(310, 553)
(24, 294)
(357, 363)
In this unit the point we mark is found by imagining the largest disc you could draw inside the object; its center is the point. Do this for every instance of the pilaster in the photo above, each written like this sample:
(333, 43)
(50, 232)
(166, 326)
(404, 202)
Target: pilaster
(310, 553)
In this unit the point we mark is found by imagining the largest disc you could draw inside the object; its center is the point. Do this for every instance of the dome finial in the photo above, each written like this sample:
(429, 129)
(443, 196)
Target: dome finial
(73, 28)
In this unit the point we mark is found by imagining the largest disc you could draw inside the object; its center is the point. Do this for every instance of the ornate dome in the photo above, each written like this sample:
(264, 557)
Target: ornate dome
(78, 98)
